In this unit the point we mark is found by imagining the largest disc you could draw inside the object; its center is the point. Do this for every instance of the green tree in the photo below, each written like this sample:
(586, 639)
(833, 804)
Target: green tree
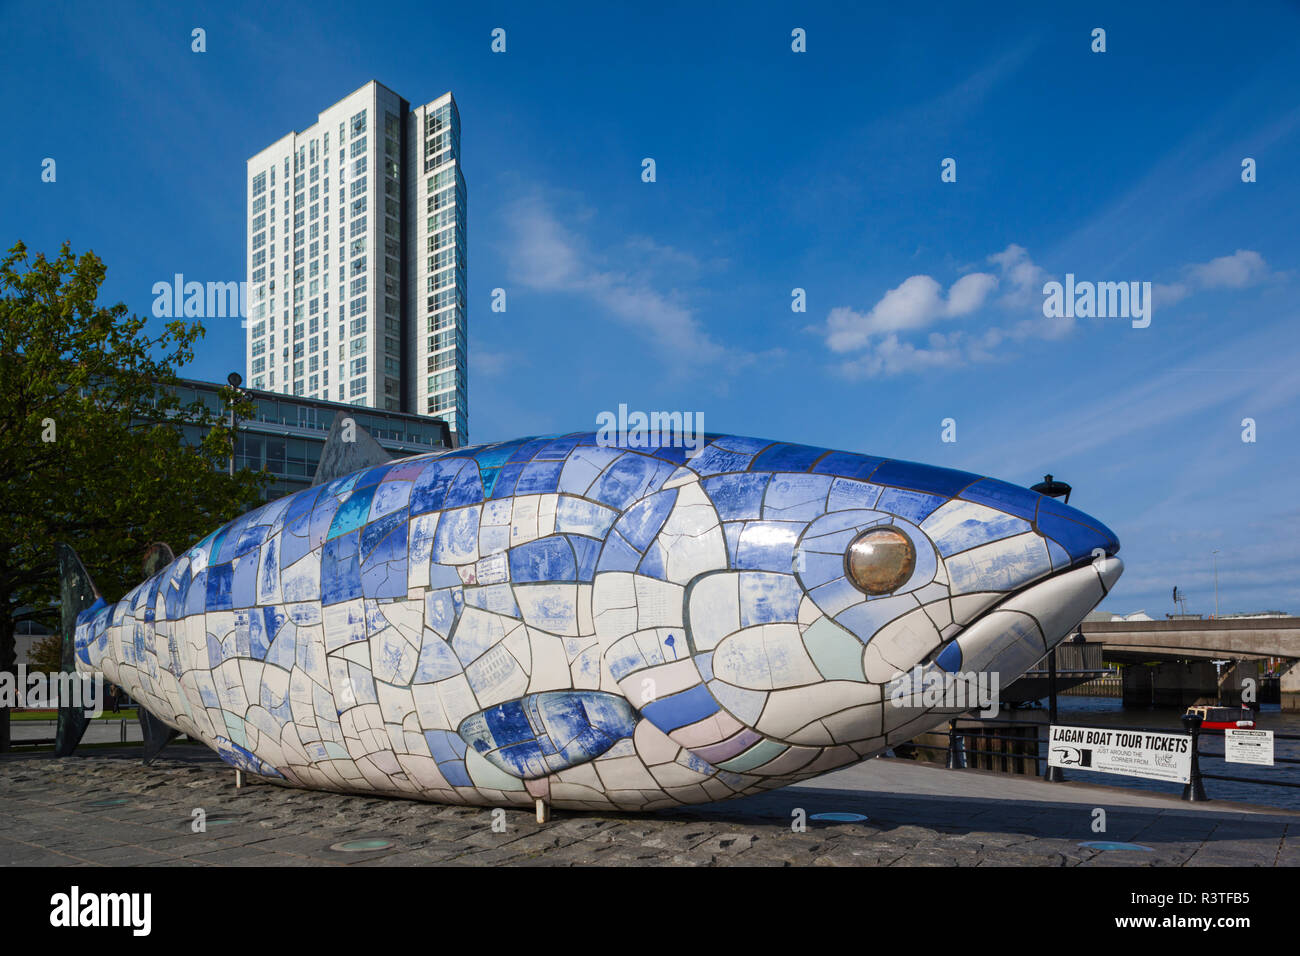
(46, 655)
(91, 446)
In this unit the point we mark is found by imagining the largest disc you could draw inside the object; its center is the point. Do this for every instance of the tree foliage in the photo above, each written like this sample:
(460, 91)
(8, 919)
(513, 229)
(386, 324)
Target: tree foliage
(46, 654)
(91, 444)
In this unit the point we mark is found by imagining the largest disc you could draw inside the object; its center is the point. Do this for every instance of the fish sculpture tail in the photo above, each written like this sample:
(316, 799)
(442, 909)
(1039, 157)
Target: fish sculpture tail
(155, 734)
(77, 592)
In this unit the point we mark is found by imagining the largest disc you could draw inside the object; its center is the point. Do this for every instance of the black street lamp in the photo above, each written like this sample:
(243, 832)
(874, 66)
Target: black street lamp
(235, 380)
(1052, 489)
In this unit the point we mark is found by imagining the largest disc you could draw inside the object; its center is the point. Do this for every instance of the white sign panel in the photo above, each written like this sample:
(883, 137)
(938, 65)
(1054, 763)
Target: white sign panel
(1248, 746)
(1134, 753)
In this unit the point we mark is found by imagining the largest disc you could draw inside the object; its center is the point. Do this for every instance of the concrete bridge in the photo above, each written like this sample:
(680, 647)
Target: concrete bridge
(1181, 651)
(1252, 638)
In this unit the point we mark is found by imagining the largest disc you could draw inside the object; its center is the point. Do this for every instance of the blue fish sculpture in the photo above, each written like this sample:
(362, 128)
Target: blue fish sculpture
(552, 620)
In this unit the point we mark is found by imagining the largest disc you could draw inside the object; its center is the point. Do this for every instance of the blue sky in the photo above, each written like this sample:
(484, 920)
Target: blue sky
(776, 170)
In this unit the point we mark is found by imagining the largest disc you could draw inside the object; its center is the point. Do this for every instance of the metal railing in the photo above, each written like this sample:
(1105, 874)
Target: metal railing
(1194, 790)
(122, 722)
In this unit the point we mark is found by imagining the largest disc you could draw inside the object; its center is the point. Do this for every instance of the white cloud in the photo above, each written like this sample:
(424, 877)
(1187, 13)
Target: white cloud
(1022, 279)
(912, 306)
(490, 363)
(919, 304)
(891, 356)
(1244, 267)
(545, 256)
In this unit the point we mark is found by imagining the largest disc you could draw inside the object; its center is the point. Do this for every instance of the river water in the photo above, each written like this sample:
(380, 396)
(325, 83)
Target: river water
(1111, 712)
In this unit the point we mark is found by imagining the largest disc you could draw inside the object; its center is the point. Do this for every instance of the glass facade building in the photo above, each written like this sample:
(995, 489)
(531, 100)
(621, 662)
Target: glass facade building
(285, 434)
(356, 259)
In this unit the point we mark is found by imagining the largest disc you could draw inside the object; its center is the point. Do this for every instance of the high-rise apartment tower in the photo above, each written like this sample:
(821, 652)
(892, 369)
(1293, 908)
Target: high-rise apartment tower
(356, 259)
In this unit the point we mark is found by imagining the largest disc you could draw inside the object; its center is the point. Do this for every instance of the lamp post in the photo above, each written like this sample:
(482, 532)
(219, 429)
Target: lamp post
(1215, 555)
(1052, 489)
(235, 380)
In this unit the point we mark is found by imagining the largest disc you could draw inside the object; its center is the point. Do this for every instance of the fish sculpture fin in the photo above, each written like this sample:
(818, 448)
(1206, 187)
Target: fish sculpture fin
(535, 736)
(348, 448)
(77, 592)
(157, 735)
(156, 558)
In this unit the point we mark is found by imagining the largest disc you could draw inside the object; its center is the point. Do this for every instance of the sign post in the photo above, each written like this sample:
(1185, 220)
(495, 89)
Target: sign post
(1248, 746)
(1132, 753)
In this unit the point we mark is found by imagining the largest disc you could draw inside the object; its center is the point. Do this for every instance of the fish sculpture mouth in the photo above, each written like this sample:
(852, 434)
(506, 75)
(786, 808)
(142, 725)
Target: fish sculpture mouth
(996, 647)
(1017, 632)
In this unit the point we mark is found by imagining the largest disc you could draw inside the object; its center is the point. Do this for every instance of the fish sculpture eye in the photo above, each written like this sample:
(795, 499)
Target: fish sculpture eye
(880, 560)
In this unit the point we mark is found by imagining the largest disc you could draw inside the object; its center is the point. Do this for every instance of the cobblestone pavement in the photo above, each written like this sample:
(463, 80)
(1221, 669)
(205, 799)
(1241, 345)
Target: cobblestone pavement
(104, 807)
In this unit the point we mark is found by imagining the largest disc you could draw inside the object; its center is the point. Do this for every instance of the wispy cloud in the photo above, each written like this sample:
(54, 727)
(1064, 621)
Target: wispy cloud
(1243, 268)
(544, 254)
(494, 362)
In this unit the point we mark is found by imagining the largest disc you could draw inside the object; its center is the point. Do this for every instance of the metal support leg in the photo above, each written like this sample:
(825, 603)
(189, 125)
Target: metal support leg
(1052, 774)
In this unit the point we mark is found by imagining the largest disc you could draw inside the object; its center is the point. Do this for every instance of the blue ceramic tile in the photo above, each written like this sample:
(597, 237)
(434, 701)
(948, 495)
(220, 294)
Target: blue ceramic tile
(914, 477)
(220, 579)
(640, 523)
(430, 489)
(714, 460)
(1050, 506)
(507, 478)
(558, 448)
(681, 710)
(848, 493)
(915, 506)
(784, 457)
(617, 555)
(848, 465)
(528, 450)
(796, 497)
(466, 489)
(1012, 499)
(243, 586)
(383, 558)
(578, 516)
(652, 565)
(768, 545)
(546, 559)
(586, 552)
(340, 571)
(437, 662)
(737, 495)
(630, 477)
(768, 598)
(741, 444)
(539, 477)
(456, 536)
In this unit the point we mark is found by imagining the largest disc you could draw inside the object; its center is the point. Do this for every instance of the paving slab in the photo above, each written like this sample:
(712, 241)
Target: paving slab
(105, 808)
